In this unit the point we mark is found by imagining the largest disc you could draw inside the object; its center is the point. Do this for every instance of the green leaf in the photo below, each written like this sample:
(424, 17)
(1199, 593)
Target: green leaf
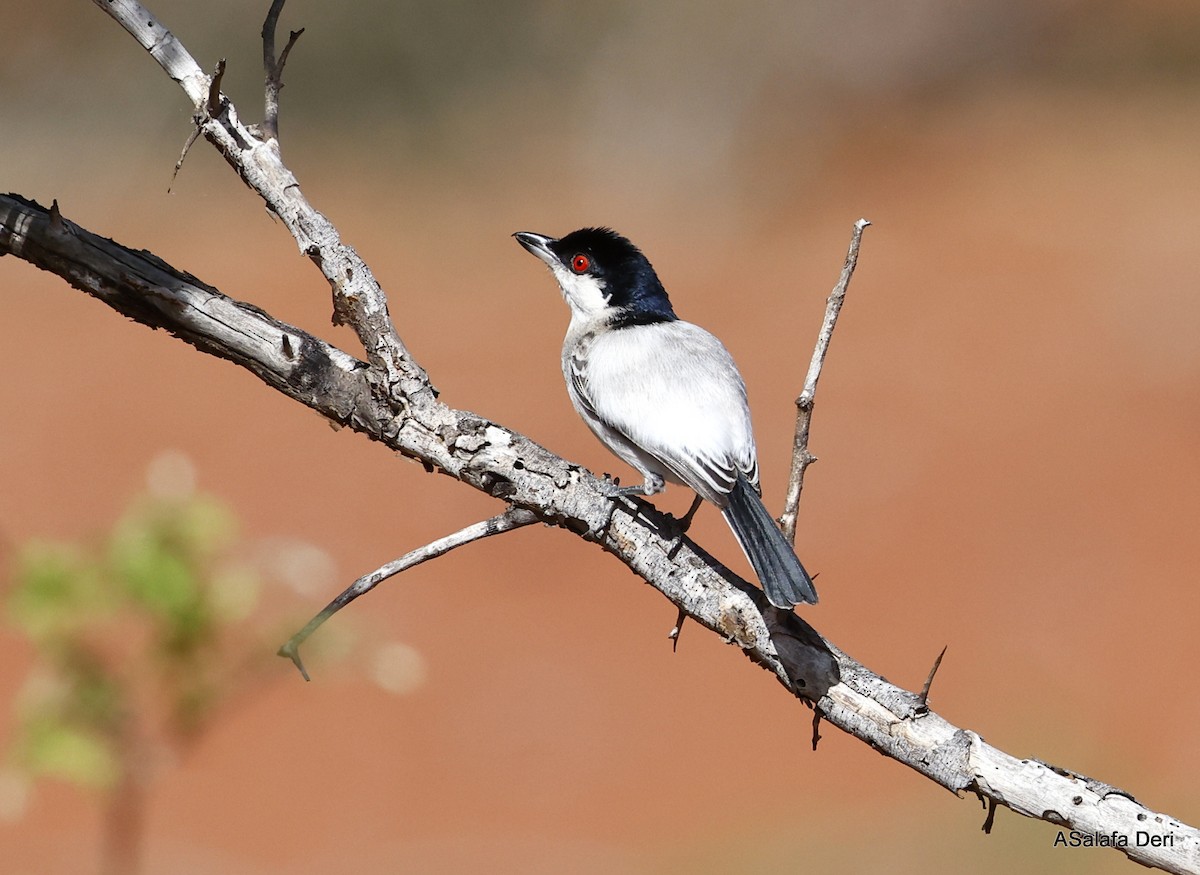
(153, 576)
(56, 590)
(69, 753)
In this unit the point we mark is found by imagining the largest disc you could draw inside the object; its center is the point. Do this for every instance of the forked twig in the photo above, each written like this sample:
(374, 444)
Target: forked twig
(274, 68)
(513, 518)
(801, 457)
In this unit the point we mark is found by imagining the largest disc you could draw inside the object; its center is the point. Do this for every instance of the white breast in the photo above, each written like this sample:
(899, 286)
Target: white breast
(672, 391)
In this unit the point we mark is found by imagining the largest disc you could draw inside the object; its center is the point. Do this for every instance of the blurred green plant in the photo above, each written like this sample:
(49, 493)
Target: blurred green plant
(139, 640)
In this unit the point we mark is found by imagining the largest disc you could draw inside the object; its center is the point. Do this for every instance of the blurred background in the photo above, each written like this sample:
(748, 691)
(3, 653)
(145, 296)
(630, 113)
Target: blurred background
(1007, 424)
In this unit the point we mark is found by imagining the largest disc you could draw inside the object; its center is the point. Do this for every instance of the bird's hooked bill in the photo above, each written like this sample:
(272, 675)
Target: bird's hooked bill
(538, 244)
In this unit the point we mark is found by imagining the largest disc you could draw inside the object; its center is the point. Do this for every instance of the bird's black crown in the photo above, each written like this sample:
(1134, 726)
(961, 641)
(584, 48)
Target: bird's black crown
(629, 279)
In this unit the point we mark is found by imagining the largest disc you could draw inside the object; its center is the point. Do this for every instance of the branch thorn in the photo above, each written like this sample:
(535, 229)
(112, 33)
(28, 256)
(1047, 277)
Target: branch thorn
(213, 106)
(674, 633)
(56, 219)
(990, 821)
(291, 649)
(923, 698)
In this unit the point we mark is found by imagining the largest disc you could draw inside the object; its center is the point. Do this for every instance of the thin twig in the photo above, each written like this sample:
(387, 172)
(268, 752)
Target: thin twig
(801, 457)
(513, 518)
(211, 107)
(274, 68)
(187, 147)
(293, 35)
(270, 125)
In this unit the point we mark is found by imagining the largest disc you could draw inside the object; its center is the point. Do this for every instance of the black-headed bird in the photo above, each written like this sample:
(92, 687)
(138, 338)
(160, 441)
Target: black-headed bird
(663, 394)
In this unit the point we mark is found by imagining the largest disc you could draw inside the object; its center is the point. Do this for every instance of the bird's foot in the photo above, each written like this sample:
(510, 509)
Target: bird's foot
(614, 492)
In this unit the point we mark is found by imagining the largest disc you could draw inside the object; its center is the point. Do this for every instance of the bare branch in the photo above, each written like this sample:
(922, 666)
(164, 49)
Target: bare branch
(152, 292)
(274, 68)
(162, 46)
(483, 454)
(390, 399)
(358, 299)
(960, 759)
(507, 465)
(270, 124)
(513, 518)
(801, 457)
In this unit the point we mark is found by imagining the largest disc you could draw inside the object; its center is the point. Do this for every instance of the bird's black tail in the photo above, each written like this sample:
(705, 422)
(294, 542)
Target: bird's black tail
(783, 578)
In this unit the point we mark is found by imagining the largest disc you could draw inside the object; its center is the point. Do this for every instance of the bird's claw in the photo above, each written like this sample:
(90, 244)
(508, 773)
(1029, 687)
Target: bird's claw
(614, 492)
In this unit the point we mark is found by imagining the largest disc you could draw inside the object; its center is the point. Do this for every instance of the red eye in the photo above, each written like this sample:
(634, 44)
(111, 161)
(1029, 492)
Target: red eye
(580, 263)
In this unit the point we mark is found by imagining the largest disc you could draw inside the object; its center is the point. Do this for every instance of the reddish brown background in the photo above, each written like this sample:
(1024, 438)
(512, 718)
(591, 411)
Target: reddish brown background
(1007, 424)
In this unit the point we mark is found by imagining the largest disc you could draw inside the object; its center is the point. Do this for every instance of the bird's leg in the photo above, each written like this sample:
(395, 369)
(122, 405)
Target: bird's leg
(682, 525)
(653, 484)
(685, 521)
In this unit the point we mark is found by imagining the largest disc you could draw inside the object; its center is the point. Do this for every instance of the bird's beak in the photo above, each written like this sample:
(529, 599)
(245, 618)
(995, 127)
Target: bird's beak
(539, 245)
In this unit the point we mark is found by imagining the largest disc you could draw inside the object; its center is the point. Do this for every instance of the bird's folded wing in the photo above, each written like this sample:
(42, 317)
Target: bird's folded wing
(673, 391)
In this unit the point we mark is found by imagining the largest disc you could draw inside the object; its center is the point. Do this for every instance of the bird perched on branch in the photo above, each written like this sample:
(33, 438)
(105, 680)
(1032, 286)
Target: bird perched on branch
(663, 395)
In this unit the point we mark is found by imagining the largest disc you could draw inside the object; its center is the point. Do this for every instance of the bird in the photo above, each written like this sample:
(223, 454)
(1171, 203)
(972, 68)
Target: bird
(663, 395)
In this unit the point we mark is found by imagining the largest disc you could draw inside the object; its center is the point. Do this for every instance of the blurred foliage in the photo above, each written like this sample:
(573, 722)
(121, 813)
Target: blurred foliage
(141, 639)
(134, 637)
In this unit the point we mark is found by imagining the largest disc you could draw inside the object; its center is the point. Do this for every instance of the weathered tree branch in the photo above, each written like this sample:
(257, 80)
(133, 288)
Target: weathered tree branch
(389, 398)
(459, 443)
(358, 300)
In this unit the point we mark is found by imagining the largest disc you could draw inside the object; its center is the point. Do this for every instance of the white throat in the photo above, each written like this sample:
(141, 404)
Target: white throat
(584, 294)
